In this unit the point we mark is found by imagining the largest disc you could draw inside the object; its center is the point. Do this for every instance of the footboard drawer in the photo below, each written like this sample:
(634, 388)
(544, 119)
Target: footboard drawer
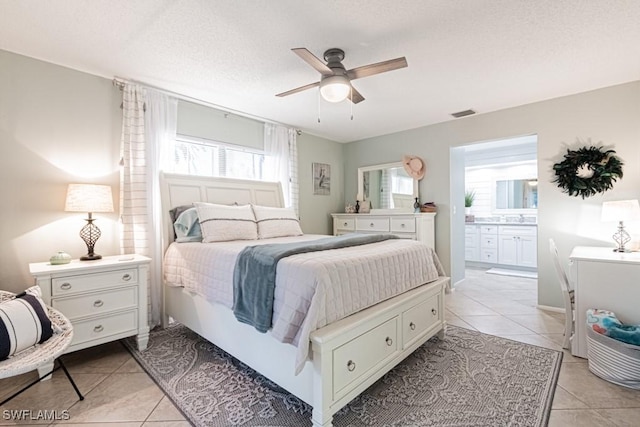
(418, 319)
(355, 359)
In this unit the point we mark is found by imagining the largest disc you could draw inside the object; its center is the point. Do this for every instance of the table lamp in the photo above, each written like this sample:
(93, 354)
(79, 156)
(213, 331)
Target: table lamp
(621, 210)
(89, 198)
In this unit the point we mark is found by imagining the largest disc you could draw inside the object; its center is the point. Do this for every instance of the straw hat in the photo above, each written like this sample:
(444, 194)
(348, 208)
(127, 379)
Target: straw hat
(414, 166)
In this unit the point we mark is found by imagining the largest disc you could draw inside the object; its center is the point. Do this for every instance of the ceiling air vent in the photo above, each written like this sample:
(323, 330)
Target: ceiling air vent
(463, 113)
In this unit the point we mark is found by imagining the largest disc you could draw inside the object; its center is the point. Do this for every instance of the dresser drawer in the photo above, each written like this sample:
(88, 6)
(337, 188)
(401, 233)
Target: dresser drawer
(345, 224)
(97, 303)
(372, 224)
(489, 242)
(91, 282)
(403, 225)
(417, 320)
(350, 363)
(102, 327)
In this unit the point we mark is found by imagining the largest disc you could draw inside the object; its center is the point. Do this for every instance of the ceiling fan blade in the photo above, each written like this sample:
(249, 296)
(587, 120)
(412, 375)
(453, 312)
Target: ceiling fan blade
(355, 96)
(312, 60)
(377, 68)
(298, 89)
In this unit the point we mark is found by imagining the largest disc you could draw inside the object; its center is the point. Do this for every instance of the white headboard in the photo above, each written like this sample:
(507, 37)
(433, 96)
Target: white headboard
(178, 190)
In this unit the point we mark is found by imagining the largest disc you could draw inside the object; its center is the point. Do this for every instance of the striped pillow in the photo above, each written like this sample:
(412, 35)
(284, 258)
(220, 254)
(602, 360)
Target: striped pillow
(221, 223)
(276, 222)
(23, 323)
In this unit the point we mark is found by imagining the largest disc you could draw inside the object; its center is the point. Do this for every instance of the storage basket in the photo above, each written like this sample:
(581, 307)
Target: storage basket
(613, 360)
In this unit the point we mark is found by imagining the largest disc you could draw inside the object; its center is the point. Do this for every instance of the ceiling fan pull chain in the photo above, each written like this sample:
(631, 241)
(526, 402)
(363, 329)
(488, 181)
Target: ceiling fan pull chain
(351, 99)
(318, 105)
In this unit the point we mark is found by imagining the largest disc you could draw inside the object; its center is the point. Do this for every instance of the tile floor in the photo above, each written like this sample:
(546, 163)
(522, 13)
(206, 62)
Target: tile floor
(119, 394)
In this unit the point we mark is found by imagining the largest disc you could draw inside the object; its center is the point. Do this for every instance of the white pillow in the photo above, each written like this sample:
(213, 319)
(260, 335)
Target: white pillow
(221, 223)
(24, 322)
(276, 222)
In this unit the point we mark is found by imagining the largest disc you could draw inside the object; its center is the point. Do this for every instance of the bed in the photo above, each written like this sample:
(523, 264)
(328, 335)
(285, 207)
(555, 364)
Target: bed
(325, 362)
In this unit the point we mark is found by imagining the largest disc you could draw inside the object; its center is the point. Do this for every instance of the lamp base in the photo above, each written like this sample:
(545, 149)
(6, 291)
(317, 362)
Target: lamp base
(90, 257)
(622, 250)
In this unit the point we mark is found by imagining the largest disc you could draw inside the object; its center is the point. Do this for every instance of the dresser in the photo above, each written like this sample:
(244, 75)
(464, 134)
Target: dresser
(105, 299)
(416, 226)
(605, 280)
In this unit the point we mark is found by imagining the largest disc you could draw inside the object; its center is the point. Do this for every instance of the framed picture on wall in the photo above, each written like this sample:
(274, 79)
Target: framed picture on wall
(321, 179)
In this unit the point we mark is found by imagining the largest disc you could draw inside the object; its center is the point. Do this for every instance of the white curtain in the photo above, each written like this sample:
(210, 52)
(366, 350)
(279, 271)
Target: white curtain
(148, 134)
(281, 163)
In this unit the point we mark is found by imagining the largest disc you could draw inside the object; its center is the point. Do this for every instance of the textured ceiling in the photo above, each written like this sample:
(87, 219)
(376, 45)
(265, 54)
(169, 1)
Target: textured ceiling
(481, 54)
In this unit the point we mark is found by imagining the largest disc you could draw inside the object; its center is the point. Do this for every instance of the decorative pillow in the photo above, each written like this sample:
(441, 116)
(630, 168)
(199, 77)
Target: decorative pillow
(276, 222)
(187, 227)
(23, 322)
(606, 323)
(221, 223)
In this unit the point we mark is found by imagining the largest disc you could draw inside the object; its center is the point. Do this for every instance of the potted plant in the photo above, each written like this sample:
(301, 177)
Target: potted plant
(469, 197)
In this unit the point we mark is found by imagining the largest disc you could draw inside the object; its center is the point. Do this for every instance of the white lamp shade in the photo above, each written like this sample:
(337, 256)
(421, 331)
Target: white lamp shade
(620, 210)
(89, 198)
(335, 88)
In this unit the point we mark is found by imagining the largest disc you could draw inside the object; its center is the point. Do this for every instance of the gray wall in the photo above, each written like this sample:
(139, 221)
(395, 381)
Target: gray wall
(57, 126)
(609, 116)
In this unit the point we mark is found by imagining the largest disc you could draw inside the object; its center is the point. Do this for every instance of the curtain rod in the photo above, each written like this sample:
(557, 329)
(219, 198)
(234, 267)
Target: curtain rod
(119, 82)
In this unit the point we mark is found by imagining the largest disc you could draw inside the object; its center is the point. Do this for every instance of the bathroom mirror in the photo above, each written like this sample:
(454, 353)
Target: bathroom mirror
(516, 194)
(387, 186)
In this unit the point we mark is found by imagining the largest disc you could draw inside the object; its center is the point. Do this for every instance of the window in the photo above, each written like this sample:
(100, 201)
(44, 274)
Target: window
(196, 156)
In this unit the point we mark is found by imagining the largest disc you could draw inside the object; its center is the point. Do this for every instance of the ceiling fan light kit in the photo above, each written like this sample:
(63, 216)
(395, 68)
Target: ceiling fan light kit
(335, 88)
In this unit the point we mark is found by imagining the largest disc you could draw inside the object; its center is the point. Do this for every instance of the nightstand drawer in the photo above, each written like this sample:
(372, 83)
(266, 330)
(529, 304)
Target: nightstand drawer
(97, 303)
(91, 282)
(372, 224)
(102, 327)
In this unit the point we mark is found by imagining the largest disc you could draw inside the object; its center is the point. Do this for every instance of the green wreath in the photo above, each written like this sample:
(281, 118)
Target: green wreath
(587, 171)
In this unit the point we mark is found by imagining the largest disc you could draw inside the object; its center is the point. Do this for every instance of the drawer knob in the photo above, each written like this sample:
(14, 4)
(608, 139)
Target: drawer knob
(434, 311)
(98, 303)
(402, 225)
(371, 225)
(65, 286)
(389, 341)
(412, 326)
(126, 277)
(345, 224)
(98, 328)
(351, 366)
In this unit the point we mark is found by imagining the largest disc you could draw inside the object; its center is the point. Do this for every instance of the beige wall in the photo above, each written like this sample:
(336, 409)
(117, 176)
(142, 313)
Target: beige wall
(57, 126)
(609, 116)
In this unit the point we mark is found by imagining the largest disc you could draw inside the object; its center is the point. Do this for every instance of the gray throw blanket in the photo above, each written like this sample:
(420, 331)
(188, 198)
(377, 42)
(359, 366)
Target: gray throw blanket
(254, 276)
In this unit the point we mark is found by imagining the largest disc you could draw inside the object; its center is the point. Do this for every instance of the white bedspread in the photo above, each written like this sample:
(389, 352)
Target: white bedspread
(312, 289)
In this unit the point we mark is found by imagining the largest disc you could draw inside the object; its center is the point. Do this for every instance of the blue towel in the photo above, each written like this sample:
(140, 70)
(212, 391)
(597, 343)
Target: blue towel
(254, 277)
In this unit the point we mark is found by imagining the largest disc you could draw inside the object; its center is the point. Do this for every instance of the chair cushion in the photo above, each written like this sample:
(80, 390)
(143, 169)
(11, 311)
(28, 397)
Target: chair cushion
(23, 322)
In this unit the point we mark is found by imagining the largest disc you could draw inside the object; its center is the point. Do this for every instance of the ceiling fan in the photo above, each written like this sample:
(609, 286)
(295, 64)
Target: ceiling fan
(335, 83)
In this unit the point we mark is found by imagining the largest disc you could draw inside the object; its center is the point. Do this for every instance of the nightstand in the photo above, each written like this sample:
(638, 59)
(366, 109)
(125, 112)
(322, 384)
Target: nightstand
(105, 299)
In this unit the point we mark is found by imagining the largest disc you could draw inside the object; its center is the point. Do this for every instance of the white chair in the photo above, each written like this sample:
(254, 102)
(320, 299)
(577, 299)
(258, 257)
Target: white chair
(40, 355)
(567, 294)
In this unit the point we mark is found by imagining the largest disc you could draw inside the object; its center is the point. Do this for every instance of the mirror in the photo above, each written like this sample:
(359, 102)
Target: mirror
(516, 194)
(387, 186)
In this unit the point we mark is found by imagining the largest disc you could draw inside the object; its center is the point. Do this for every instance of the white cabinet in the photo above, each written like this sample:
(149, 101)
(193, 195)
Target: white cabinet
(471, 242)
(517, 245)
(104, 299)
(416, 226)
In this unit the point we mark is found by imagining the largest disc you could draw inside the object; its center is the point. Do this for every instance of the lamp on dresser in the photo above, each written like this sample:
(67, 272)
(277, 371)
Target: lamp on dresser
(620, 211)
(89, 198)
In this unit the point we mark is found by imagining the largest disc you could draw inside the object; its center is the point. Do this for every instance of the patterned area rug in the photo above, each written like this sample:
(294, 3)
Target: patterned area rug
(467, 379)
